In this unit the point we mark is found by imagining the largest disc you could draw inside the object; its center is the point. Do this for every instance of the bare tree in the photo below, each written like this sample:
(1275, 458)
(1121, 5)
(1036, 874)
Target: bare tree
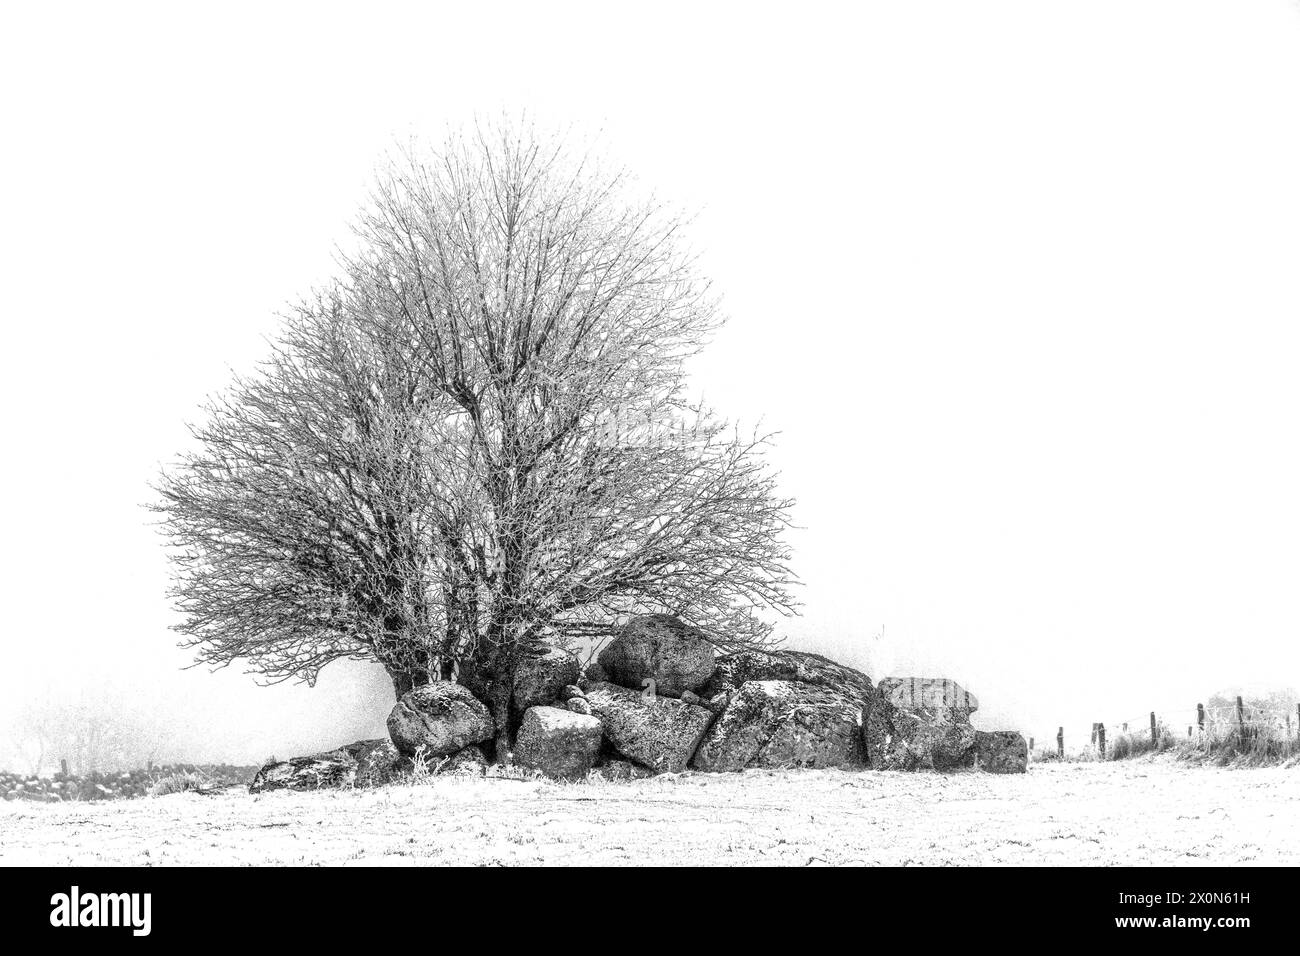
(478, 441)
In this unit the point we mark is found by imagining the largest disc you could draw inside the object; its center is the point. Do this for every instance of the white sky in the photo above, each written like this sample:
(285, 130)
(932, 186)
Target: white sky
(1017, 281)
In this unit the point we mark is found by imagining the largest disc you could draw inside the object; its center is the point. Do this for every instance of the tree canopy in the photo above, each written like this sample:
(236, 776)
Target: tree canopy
(477, 439)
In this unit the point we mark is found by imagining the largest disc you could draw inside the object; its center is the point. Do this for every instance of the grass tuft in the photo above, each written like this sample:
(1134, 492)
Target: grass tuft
(1222, 745)
(176, 783)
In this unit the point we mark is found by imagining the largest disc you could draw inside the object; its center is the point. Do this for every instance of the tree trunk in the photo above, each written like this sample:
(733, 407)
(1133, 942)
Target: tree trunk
(404, 681)
(491, 679)
(499, 705)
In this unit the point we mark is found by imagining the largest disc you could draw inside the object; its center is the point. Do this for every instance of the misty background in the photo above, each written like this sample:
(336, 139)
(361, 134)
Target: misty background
(1015, 281)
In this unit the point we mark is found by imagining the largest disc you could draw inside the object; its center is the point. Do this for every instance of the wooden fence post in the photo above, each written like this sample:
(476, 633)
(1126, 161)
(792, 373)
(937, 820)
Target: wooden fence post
(1101, 740)
(63, 766)
(1241, 715)
(1200, 718)
(1155, 737)
(1189, 731)
(1031, 739)
(1093, 741)
(1060, 742)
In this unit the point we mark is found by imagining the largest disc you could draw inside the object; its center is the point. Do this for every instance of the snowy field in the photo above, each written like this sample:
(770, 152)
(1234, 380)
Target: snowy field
(1127, 813)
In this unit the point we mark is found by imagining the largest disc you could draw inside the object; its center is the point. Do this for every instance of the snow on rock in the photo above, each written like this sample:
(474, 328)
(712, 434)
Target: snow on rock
(780, 723)
(734, 670)
(559, 743)
(332, 769)
(661, 733)
(441, 717)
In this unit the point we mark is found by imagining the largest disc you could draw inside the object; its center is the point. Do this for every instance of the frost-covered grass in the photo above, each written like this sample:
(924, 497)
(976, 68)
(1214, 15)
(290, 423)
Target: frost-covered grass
(1219, 745)
(1142, 811)
(176, 783)
(1249, 746)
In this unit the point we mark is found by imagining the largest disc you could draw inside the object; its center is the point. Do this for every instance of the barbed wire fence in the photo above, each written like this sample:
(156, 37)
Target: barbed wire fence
(1173, 722)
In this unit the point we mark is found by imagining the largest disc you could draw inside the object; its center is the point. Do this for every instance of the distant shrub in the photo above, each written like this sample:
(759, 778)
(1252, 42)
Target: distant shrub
(114, 786)
(176, 783)
(1137, 743)
(1252, 745)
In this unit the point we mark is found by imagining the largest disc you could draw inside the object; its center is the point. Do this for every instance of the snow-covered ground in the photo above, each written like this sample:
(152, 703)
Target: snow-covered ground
(1130, 812)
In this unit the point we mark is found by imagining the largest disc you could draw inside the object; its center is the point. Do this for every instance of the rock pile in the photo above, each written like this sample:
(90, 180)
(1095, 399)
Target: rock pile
(659, 699)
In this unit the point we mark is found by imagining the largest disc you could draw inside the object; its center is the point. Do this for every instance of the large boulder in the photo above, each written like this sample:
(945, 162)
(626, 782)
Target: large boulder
(541, 679)
(938, 695)
(1000, 751)
(919, 723)
(661, 733)
(441, 717)
(559, 743)
(366, 763)
(917, 741)
(378, 762)
(777, 723)
(330, 770)
(658, 647)
(735, 670)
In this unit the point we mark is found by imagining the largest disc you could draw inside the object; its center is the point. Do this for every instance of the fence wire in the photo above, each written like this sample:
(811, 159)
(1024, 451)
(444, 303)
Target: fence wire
(1178, 720)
